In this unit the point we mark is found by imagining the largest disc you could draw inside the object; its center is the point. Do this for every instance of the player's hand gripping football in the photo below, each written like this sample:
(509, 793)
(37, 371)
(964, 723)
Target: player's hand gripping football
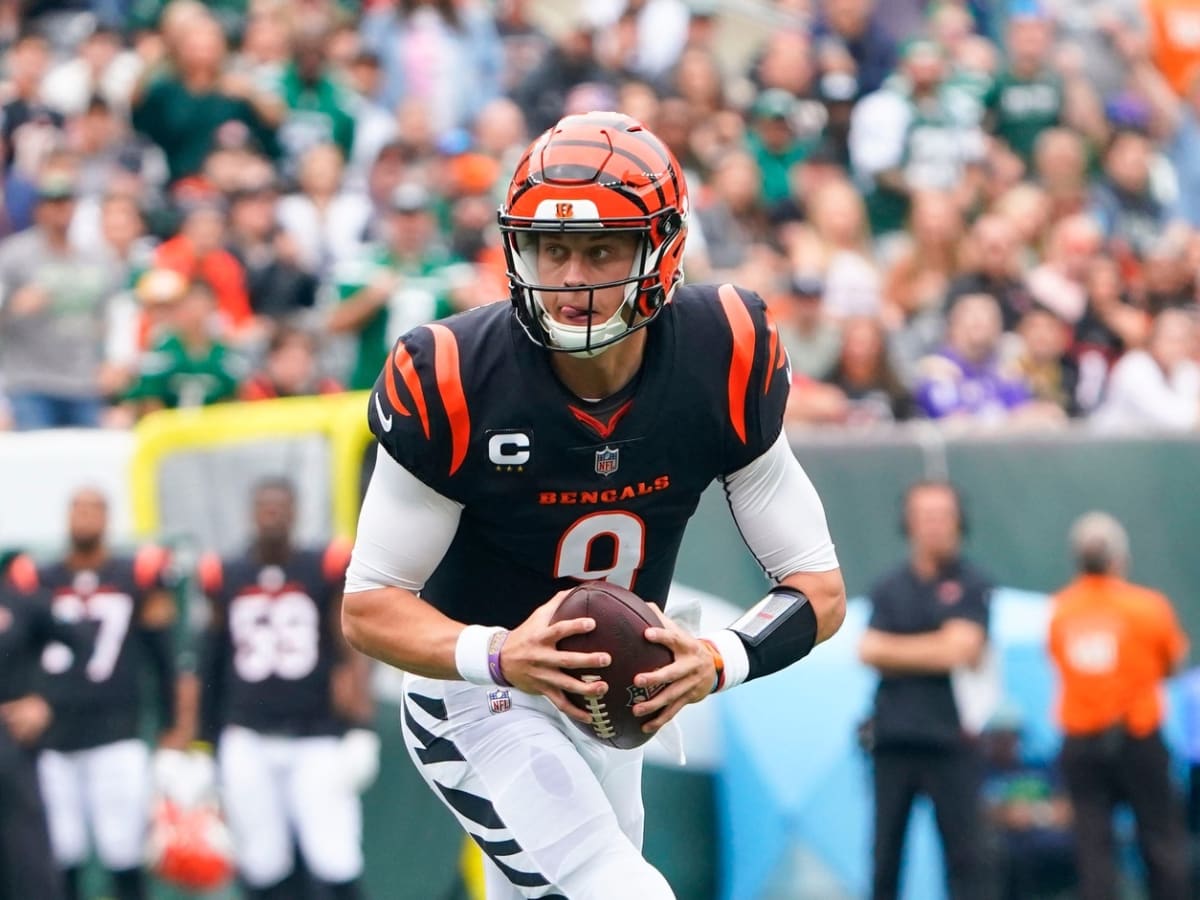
(688, 679)
(532, 662)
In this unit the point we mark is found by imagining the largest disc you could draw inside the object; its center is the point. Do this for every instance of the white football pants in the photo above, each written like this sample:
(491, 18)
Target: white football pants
(273, 787)
(103, 790)
(556, 813)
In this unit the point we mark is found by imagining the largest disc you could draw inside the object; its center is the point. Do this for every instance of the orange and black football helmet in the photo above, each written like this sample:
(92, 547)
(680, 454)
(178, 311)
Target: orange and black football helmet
(593, 172)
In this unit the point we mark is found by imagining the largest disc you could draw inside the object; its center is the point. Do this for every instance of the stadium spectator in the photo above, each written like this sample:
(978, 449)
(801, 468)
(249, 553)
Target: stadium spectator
(1124, 203)
(319, 110)
(1030, 96)
(835, 245)
(569, 62)
(102, 68)
(30, 129)
(279, 286)
(968, 379)
(872, 392)
(1060, 167)
(444, 55)
(290, 369)
(53, 318)
(196, 252)
(926, 260)
(929, 620)
(394, 286)
(1043, 362)
(1158, 387)
(774, 141)
(734, 210)
(698, 80)
(905, 138)
(811, 338)
(1165, 279)
(522, 41)
(94, 768)
(278, 715)
(183, 108)
(325, 221)
(1110, 324)
(188, 367)
(992, 265)
(858, 25)
(1060, 281)
(1113, 644)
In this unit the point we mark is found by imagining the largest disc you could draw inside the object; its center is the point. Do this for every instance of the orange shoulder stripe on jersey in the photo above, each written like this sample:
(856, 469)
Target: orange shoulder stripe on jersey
(23, 574)
(742, 362)
(336, 559)
(772, 350)
(389, 383)
(408, 371)
(148, 566)
(450, 386)
(209, 573)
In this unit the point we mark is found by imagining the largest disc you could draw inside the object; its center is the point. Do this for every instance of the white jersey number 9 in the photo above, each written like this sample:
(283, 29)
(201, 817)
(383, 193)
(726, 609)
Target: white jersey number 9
(609, 546)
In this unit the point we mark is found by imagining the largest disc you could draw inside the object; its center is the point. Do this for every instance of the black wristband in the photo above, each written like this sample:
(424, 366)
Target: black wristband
(777, 631)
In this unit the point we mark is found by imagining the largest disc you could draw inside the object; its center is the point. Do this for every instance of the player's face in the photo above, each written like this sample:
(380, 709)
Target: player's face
(933, 522)
(87, 519)
(274, 512)
(577, 260)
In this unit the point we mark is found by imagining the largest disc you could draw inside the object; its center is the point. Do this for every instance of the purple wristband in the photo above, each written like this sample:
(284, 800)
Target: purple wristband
(494, 645)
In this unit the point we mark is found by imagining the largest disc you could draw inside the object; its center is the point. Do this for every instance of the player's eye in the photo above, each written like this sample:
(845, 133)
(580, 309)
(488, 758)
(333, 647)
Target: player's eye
(600, 253)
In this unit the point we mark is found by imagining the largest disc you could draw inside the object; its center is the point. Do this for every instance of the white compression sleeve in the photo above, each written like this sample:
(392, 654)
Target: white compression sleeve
(779, 514)
(404, 530)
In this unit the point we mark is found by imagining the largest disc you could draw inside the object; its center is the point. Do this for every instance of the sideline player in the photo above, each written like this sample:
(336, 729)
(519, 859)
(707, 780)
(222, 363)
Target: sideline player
(27, 627)
(279, 688)
(94, 768)
(566, 437)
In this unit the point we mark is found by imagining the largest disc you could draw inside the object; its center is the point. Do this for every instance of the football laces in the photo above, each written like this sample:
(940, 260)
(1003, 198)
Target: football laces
(601, 721)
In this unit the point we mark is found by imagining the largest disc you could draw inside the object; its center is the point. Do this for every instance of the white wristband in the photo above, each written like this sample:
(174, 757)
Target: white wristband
(733, 654)
(471, 654)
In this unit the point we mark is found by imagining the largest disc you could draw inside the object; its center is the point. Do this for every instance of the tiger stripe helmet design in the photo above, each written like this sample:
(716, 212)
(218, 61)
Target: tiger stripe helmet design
(592, 172)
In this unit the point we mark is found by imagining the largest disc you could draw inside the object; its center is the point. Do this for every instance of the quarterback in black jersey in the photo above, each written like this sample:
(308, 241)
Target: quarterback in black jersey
(279, 691)
(562, 438)
(94, 768)
(27, 627)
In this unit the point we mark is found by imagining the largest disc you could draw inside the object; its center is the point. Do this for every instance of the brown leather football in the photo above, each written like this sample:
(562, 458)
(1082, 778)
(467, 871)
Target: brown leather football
(621, 621)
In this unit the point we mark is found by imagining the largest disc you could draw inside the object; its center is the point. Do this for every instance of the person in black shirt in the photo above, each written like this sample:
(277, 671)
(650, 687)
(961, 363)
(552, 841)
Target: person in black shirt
(280, 689)
(94, 767)
(26, 628)
(929, 622)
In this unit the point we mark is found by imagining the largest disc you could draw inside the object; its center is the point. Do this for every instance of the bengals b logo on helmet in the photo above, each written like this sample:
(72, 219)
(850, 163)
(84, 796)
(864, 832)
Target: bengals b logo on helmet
(597, 171)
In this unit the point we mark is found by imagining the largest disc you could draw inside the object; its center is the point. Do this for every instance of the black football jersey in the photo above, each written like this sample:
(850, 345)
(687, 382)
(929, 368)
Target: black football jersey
(27, 627)
(272, 647)
(556, 490)
(97, 694)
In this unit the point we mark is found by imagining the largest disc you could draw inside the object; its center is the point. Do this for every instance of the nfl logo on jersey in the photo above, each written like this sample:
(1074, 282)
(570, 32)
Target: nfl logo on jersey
(607, 461)
(499, 701)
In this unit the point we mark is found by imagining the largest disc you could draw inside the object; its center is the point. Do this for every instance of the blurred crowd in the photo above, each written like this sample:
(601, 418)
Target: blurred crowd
(983, 212)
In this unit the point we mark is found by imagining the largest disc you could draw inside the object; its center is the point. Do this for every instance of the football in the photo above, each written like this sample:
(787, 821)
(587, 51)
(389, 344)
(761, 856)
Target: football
(621, 619)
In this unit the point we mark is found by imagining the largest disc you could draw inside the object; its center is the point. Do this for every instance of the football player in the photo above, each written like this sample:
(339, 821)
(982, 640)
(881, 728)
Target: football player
(27, 627)
(94, 768)
(279, 689)
(564, 438)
